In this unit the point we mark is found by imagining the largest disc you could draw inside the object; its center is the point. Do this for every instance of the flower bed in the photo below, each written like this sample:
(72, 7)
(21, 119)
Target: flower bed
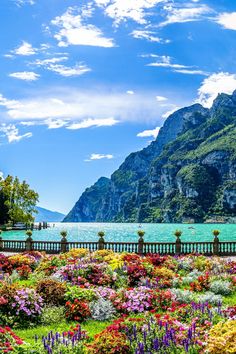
(154, 304)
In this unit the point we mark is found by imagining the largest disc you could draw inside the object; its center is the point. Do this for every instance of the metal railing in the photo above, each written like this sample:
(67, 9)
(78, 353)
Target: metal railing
(226, 248)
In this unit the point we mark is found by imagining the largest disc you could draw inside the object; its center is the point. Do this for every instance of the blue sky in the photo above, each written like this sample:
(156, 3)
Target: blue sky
(84, 83)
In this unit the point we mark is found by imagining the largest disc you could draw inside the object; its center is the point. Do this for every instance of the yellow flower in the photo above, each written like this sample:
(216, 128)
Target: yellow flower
(222, 338)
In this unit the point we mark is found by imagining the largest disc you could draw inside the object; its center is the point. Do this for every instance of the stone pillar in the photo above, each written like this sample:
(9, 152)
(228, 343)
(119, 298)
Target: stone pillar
(63, 242)
(101, 241)
(141, 233)
(178, 233)
(29, 244)
(216, 242)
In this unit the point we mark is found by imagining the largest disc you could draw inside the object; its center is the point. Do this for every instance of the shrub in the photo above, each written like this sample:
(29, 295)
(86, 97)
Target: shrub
(27, 306)
(8, 340)
(24, 271)
(202, 283)
(182, 296)
(52, 291)
(109, 342)
(221, 287)
(77, 253)
(75, 292)
(138, 299)
(52, 314)
(210, 297)
(102, 310)
(19, 260)
(135, 272)
(5, 264)
(222, 338)
(77, 310)
(191, 277)
(7, 293)
(164, 272)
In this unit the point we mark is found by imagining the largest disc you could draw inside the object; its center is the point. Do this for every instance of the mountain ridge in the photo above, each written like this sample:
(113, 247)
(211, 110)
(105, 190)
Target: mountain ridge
(48, 215)
(161, 182)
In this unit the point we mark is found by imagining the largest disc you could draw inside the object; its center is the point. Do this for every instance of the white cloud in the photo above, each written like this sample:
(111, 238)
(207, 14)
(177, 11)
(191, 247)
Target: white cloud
(73, 109)
(1, 175)
(149, 133)
(161, 98)
(130, 92)
(25, 49)
(88, 123)
(227, 20)
(46, 62)
(187, 14)
(52, 64)
(77, 70)
(72, 31)
(9, 104)
(55, 123)
(165, 61)
(215, 84)
(99, 157)
(78, 105)
(149, 36)
(120, 10)
(12, 133)
(25, 75)
(28, 124)
(24, 2)
(191, 72)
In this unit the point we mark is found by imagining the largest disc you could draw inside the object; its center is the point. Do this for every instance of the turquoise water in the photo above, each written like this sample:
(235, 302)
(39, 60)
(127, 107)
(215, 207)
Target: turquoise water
(128, 232)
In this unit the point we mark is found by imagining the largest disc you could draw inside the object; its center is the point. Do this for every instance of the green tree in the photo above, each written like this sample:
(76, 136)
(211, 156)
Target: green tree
(20, 200)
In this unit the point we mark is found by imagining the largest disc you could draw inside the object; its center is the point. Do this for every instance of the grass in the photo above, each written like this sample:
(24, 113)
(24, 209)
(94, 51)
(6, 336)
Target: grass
(91, 327)
(230, 300)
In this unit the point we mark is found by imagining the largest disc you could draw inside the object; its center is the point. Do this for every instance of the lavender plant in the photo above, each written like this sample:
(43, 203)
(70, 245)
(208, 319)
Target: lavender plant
(162, 338)
(57, 343)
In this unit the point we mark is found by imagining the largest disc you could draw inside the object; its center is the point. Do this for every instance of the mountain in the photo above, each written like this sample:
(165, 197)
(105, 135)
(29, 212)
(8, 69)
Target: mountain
(48, 215)
(187, 173)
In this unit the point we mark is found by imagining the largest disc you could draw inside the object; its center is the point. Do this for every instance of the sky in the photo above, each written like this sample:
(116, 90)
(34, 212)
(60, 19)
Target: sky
(85, 83)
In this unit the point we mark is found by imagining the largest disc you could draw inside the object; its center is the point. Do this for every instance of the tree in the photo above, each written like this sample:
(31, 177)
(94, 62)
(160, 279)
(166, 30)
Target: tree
(20, 200)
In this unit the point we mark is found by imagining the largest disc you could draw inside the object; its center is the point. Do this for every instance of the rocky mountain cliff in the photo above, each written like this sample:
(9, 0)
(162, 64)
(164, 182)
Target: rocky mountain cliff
(187, 173)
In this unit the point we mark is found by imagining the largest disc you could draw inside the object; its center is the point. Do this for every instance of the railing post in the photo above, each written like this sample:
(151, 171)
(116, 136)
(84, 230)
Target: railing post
(29, 241)
(101, 241)
(178, 233)
(63, 242)
(141, 233)
(1, 243)
(216, 242)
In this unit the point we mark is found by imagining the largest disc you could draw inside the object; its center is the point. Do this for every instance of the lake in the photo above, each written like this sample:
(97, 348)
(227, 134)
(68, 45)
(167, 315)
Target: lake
(128, 232)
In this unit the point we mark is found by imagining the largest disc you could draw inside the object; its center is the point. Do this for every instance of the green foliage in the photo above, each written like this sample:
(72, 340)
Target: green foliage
(122, 179)
(75, 292)
(19, 200)
(52, 291)
(52, 314)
